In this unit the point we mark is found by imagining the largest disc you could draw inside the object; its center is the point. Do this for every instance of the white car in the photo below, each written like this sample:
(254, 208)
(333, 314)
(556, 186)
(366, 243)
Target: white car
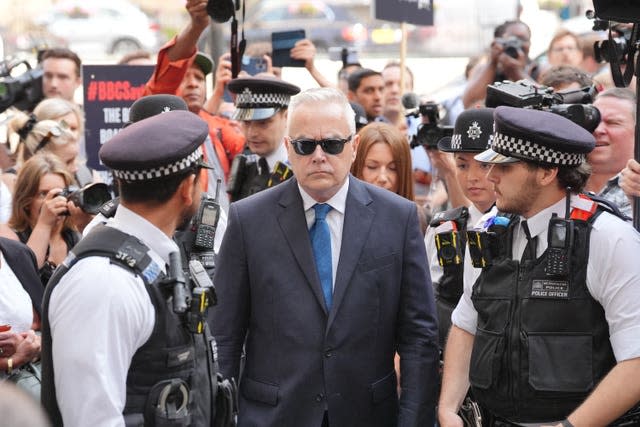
(102, 27)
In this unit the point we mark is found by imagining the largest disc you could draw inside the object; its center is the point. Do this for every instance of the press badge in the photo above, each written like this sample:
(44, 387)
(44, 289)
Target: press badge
(550, 289)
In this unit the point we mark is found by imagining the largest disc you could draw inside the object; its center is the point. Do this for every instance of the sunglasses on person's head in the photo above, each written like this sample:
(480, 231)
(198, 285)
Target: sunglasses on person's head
(306, 146)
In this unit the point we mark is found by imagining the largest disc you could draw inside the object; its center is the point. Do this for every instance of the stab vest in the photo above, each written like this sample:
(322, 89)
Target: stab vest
(169, 382)
(450, 287)
(542, 342)
(245, 179)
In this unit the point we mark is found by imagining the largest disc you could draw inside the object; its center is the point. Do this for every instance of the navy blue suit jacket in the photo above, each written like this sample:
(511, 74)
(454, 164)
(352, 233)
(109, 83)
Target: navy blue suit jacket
(302, 360)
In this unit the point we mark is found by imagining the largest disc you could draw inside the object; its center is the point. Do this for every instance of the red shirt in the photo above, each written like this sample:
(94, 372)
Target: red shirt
(167, 77)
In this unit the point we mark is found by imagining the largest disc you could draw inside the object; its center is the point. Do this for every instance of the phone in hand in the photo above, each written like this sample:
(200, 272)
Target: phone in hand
(254, 65)
(281, 44)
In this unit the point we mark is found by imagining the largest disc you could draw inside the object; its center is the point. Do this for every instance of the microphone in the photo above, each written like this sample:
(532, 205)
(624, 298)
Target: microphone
(410, 102)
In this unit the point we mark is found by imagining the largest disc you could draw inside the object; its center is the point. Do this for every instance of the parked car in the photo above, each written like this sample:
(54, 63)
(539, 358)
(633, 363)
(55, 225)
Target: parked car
(101, 26)
(325, 25)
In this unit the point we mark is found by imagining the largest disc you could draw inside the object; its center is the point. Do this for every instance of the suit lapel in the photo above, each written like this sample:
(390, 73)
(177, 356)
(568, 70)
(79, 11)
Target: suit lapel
(357, 223)
(294, 227)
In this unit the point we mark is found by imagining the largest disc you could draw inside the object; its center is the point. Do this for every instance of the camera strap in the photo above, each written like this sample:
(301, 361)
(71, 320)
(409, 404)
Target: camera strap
(237, 48)
(615, 54)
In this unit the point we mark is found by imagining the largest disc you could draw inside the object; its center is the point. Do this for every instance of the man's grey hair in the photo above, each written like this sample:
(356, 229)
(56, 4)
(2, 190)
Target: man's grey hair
(623, 94)
(323, 96)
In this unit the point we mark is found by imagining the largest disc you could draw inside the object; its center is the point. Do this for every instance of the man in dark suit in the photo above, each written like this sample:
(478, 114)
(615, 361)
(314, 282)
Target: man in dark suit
(324, 299)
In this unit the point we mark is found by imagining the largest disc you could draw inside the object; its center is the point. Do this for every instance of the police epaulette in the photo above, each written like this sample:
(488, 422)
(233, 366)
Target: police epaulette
(121, 248)
(449, 215)
(108, 210)
(608, 206)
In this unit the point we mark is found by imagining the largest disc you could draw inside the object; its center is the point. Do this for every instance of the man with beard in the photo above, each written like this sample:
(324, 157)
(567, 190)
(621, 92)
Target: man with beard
(547, 333)
(112, 344)
(366, 87)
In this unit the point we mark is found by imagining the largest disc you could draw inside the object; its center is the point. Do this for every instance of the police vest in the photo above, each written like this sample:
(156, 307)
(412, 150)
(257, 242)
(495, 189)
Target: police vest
(450, 247)
(542, 341)
(245, 179)
(169, 382)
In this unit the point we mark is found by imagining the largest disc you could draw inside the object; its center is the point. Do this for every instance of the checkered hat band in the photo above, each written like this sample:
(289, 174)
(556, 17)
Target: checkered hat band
(456, 141)
(521, 148)
(247, 99)
(159, 172)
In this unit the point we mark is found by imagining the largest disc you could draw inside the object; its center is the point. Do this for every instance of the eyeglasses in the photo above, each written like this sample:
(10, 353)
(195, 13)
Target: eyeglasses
(305, 146)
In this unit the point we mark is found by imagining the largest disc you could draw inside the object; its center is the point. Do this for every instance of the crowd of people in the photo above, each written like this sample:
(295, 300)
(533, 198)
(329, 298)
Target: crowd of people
(343, 293)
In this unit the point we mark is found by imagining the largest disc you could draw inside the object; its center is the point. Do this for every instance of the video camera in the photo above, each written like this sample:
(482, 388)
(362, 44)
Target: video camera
(88, 198)
(573, 105)
(622, 43)
(429, 131)
(23, 91)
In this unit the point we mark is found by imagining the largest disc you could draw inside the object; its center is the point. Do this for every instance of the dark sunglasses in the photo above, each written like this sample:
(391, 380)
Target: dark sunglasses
(305, 147)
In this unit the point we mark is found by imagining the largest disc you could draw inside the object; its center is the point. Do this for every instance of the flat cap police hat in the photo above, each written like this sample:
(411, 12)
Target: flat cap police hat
(472, 132)
(259, 98)
(151, 105)
(536, 136)
(159, 146)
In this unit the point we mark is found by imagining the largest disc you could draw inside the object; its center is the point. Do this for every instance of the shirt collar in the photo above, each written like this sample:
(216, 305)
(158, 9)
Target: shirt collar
(279, 155)
(131, 223)
(539, 223)
(338, 202)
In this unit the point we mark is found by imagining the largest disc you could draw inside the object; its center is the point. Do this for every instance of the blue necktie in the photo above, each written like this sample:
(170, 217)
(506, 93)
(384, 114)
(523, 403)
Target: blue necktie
(321, 245)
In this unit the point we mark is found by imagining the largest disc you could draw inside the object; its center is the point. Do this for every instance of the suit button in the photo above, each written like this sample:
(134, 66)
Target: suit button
(327, 353)
(319, 397)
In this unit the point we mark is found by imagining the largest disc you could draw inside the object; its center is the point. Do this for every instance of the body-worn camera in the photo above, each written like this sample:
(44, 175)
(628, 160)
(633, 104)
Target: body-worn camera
(88, 198)
(429, 132)
(23, 91)
(512, 46)
(573, 105)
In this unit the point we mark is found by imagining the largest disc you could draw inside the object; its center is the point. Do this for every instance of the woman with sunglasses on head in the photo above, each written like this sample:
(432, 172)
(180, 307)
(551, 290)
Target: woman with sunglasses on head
(40, 214)
(55, 126)
(384, 159)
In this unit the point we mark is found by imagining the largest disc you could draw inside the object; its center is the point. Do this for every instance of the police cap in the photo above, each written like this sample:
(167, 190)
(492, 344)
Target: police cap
(259, 98)
(151, 105)
(536, 136)
(156, 147)
(472, 132)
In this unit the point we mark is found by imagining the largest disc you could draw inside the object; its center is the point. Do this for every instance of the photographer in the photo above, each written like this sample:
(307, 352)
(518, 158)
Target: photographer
(40, 215)
(508, 60)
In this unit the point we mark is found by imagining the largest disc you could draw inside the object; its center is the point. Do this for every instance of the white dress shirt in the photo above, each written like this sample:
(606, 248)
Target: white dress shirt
(100, 314)
(613, 275)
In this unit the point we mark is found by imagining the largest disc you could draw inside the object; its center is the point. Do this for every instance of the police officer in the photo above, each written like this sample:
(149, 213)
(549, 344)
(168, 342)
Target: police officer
(117, 346)
(548, 332)
(445, 239)
(261, 105)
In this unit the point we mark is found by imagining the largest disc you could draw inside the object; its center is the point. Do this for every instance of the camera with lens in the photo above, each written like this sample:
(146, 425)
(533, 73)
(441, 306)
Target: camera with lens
(429, 131)
(88, 198)
(574, 105)
(512, 46)
(23, 91)
(614, 49)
